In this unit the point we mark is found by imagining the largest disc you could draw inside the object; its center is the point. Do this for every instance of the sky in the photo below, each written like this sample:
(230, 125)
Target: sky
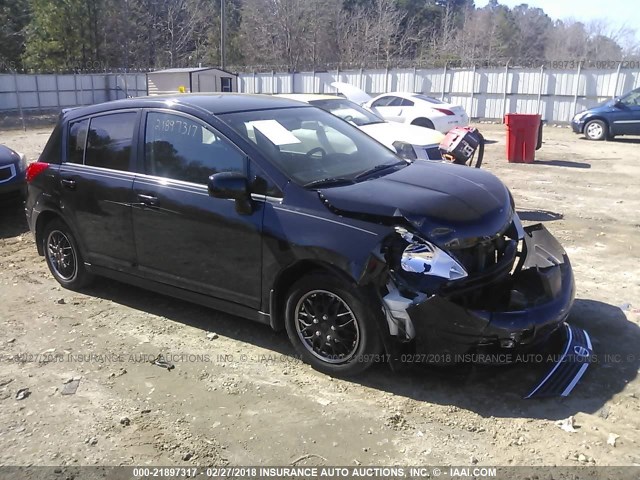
(620, 13)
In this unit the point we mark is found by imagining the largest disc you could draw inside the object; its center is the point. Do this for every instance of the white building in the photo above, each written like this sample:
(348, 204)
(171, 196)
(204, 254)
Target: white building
(191, 80)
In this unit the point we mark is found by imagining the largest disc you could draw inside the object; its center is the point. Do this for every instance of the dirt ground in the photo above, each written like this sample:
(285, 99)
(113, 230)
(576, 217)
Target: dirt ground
(242, 398)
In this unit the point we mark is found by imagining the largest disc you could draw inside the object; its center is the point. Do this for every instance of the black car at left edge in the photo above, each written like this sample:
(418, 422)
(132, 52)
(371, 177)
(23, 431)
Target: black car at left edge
(280, 212)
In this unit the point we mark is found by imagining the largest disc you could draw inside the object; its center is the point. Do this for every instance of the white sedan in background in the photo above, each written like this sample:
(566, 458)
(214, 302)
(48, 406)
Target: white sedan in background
(411, 142)
(411, 108)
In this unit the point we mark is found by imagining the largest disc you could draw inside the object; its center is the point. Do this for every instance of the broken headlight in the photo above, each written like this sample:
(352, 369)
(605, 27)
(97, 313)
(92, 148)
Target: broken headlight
(421, 256)
(405, 150)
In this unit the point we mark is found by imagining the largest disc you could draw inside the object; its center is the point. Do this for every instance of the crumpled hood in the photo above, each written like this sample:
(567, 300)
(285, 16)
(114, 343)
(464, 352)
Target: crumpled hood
(442, 201)
(603, 107)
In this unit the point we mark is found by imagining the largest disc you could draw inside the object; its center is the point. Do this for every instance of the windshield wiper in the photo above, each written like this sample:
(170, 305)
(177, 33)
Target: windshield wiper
(378, 168)
(333, 181)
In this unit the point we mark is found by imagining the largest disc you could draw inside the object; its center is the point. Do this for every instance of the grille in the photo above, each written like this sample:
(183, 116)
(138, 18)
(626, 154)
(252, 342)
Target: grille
(482, 256)
(7, 172)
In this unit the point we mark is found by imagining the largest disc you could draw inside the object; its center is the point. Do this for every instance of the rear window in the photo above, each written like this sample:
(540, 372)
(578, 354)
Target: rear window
(109, 141)
(429, 99)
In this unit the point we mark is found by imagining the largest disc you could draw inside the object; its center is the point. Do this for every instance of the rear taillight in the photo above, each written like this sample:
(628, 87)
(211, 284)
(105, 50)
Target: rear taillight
(35, 169)
(445, 111)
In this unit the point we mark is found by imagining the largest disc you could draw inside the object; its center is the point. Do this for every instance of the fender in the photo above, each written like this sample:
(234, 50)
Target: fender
(47, 205)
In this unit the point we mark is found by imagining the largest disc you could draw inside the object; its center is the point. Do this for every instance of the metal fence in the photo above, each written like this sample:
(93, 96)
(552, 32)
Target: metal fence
(485, 93)
(47, 93)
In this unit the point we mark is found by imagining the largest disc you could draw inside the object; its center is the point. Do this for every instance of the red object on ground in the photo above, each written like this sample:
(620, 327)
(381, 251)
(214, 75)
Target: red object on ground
(460, 144)
(522, 137)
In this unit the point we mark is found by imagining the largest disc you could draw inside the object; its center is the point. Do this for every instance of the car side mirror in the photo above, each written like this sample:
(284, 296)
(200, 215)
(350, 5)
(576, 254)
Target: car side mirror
(617, 102)
(232, 186)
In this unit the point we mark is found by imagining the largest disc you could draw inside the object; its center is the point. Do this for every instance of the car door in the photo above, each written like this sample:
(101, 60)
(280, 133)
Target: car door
(389, 107)
(95, 185)
(183, 236)
(626, 115)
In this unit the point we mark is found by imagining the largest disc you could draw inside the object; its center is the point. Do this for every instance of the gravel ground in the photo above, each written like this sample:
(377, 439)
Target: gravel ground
(240, 397)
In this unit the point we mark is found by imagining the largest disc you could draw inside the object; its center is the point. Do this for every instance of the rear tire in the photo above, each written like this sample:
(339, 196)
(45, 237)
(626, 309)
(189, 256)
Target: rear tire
(331, 325)
(423, 122)
(63, 256)
(595, 130)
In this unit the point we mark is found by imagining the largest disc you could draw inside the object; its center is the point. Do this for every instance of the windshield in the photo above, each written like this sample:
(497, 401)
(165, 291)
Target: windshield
(312, 146)
(348, 111)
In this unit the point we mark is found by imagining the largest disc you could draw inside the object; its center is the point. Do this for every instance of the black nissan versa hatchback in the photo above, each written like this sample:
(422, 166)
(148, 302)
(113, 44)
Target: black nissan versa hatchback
(283, 213)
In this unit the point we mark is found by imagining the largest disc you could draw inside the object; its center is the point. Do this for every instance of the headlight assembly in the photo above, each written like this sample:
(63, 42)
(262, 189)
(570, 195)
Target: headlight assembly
(421, 256)
(405, 150)
(579, 116)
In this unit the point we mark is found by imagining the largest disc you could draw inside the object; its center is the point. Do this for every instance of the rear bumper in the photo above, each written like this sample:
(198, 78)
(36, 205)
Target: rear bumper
(446, 328)
(446, 122)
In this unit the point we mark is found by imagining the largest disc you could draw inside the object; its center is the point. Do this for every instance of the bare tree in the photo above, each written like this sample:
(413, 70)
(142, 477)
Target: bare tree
(289, 32)
(374, 34)
(184, 25)
(567, 41)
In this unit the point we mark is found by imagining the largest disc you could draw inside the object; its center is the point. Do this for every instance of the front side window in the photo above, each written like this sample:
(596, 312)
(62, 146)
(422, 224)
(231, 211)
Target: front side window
(632, 99)
(387, 101)
(109, 141)
(77, 141)
(310, 145)
(182, 148)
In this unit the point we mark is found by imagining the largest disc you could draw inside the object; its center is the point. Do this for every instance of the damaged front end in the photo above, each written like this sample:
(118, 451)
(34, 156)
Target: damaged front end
(457, 274)
(508, 292)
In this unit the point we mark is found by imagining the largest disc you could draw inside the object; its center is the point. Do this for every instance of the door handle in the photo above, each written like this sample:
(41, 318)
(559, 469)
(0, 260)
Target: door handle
(68, 183)
(148, 200)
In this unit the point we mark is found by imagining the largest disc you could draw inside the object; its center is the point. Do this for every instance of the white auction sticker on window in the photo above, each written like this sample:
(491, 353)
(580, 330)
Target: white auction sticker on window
(275, 132)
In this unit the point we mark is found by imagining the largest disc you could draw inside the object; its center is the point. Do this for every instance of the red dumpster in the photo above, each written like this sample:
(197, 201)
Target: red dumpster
(522, 137)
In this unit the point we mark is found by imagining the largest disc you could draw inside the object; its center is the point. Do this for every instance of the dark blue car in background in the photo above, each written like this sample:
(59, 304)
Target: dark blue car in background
(619, 116)
(12, 171)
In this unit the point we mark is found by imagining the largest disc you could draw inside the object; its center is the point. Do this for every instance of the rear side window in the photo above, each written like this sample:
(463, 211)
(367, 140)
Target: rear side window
(52, 152)
(406, 103)
(180, 148)
(77, 141)
(109, 141)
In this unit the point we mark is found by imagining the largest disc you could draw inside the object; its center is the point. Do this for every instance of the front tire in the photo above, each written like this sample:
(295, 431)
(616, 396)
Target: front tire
(330, 325)
(63, 256)
(595, 130)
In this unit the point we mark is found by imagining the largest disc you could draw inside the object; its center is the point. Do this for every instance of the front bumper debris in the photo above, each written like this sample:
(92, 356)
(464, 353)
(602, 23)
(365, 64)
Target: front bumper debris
(571, 365)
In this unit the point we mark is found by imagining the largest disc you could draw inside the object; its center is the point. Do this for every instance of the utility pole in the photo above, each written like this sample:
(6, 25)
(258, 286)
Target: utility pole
(222, 34)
